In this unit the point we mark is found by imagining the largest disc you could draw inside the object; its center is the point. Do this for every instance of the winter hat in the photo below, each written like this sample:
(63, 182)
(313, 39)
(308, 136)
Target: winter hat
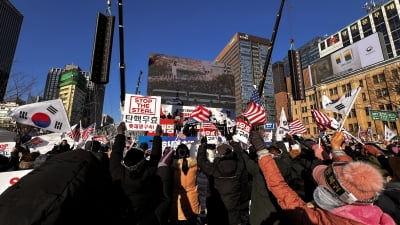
(144, 146)
(351, 181)
(133, 156)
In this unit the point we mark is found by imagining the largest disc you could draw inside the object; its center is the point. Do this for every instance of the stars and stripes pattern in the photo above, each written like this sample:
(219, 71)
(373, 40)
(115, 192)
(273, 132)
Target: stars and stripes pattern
(209, 125)
(323, 120)
(255, 111)
(296, 127)
(200, 113)
(87, 132)
(75, 132)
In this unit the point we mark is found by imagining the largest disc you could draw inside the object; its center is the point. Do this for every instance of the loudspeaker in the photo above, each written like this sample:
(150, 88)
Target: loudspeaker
(296, 75)
(102, 48)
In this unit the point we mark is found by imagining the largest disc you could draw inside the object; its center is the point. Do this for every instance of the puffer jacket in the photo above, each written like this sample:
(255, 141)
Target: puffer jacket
(225, 185)
(291, 203)
(148, 192)
(185, 195)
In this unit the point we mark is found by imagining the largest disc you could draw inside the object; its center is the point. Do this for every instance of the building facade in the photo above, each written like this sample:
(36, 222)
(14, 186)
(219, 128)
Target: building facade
(380, 92)
(82, 99)
(384, 19)
(245, 55)
(10, 27)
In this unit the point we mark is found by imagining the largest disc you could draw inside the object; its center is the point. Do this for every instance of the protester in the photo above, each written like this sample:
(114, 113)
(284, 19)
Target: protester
(389, 199)
(224, 173)
(345, 193)
(185, 206)
(140, 181)
(70, 188)
(264, 209)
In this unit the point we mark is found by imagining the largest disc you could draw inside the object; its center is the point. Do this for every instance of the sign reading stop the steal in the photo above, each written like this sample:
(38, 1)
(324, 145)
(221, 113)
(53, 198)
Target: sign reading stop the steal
(9, 178)
(142, 113)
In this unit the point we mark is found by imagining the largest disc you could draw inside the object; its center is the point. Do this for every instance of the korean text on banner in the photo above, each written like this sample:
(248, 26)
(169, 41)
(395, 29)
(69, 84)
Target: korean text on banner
(142, 113)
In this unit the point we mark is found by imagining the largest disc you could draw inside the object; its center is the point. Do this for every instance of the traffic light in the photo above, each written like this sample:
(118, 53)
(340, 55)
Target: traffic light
(101, 55)
(296, 75)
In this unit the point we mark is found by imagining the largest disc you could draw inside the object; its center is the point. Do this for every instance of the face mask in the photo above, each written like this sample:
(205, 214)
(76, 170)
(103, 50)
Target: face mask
(326, 199)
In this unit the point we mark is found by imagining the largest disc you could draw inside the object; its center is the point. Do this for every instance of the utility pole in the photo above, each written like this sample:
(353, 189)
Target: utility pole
(121, 53)
(271, 47)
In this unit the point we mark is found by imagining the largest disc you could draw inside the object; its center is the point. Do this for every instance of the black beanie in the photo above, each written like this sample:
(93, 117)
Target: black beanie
(133, 156)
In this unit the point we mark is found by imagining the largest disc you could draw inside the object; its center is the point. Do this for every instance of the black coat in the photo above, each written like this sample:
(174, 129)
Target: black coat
(69, 188)
(149, 192)
(264, 209)
(223, 203)
(389, 200)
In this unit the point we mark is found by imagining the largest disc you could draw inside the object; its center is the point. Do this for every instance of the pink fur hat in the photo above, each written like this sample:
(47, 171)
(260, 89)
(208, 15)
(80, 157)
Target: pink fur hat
(361, 179)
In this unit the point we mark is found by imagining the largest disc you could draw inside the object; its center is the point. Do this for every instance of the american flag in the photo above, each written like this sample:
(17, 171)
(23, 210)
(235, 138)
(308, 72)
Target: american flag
(200, 113)
(296, 127)
(208, 125)
(75, 132)
(323, 120)
(255, 111)
(87, 132)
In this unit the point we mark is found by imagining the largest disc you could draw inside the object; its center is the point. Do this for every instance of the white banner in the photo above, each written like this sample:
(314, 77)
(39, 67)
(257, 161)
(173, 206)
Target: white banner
(9, 178)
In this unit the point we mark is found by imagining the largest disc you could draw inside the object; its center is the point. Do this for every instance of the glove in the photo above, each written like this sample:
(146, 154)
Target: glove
(256, 140)
(337, 140)
(159, 130)
(167, 157)
(121, 128)
(372, 150)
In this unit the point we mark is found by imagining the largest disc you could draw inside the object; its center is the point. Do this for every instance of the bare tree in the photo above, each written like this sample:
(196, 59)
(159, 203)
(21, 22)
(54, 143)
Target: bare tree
(19, 87)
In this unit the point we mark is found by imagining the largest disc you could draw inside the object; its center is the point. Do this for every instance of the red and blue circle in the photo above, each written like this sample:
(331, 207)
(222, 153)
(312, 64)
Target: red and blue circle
(41, 119)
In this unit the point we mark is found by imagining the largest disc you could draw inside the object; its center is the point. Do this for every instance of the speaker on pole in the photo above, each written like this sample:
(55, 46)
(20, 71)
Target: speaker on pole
(102, 48)
(296, 75)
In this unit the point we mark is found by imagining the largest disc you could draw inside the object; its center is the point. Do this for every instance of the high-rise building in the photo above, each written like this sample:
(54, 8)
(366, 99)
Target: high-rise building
(10, 27)
(246, 55)
(89, 94)
(73, 94)
(53, 77)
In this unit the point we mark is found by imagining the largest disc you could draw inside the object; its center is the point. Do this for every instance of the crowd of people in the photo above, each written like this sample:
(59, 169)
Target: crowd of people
(301, 181)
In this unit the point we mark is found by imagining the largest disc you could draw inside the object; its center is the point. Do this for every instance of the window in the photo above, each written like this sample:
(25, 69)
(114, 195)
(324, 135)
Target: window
(335, 90)
(375, 79)
(378, 93)
(395, 74)
(361, 83)
(381, 107)
(364, 96)
(382, 77)
(366, 111)
(389, 107)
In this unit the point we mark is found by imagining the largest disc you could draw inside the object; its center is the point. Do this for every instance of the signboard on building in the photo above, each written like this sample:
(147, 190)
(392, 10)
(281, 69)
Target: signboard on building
(360, 54)
(383, 115)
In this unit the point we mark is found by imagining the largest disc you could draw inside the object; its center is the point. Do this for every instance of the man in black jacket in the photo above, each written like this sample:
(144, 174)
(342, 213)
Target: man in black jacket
(146, 186)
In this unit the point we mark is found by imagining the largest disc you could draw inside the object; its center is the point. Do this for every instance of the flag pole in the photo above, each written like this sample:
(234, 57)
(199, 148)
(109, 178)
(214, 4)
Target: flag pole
(351, 106)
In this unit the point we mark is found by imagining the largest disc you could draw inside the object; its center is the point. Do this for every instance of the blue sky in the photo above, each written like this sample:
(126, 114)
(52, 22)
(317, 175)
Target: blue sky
(56, 33)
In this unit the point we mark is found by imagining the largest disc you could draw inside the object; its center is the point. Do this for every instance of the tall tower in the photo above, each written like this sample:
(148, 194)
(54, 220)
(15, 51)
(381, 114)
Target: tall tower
(88, 95)
(10, 27)
(246, 55)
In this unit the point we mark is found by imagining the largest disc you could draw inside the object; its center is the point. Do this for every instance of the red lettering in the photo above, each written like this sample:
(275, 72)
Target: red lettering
(14, 180)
